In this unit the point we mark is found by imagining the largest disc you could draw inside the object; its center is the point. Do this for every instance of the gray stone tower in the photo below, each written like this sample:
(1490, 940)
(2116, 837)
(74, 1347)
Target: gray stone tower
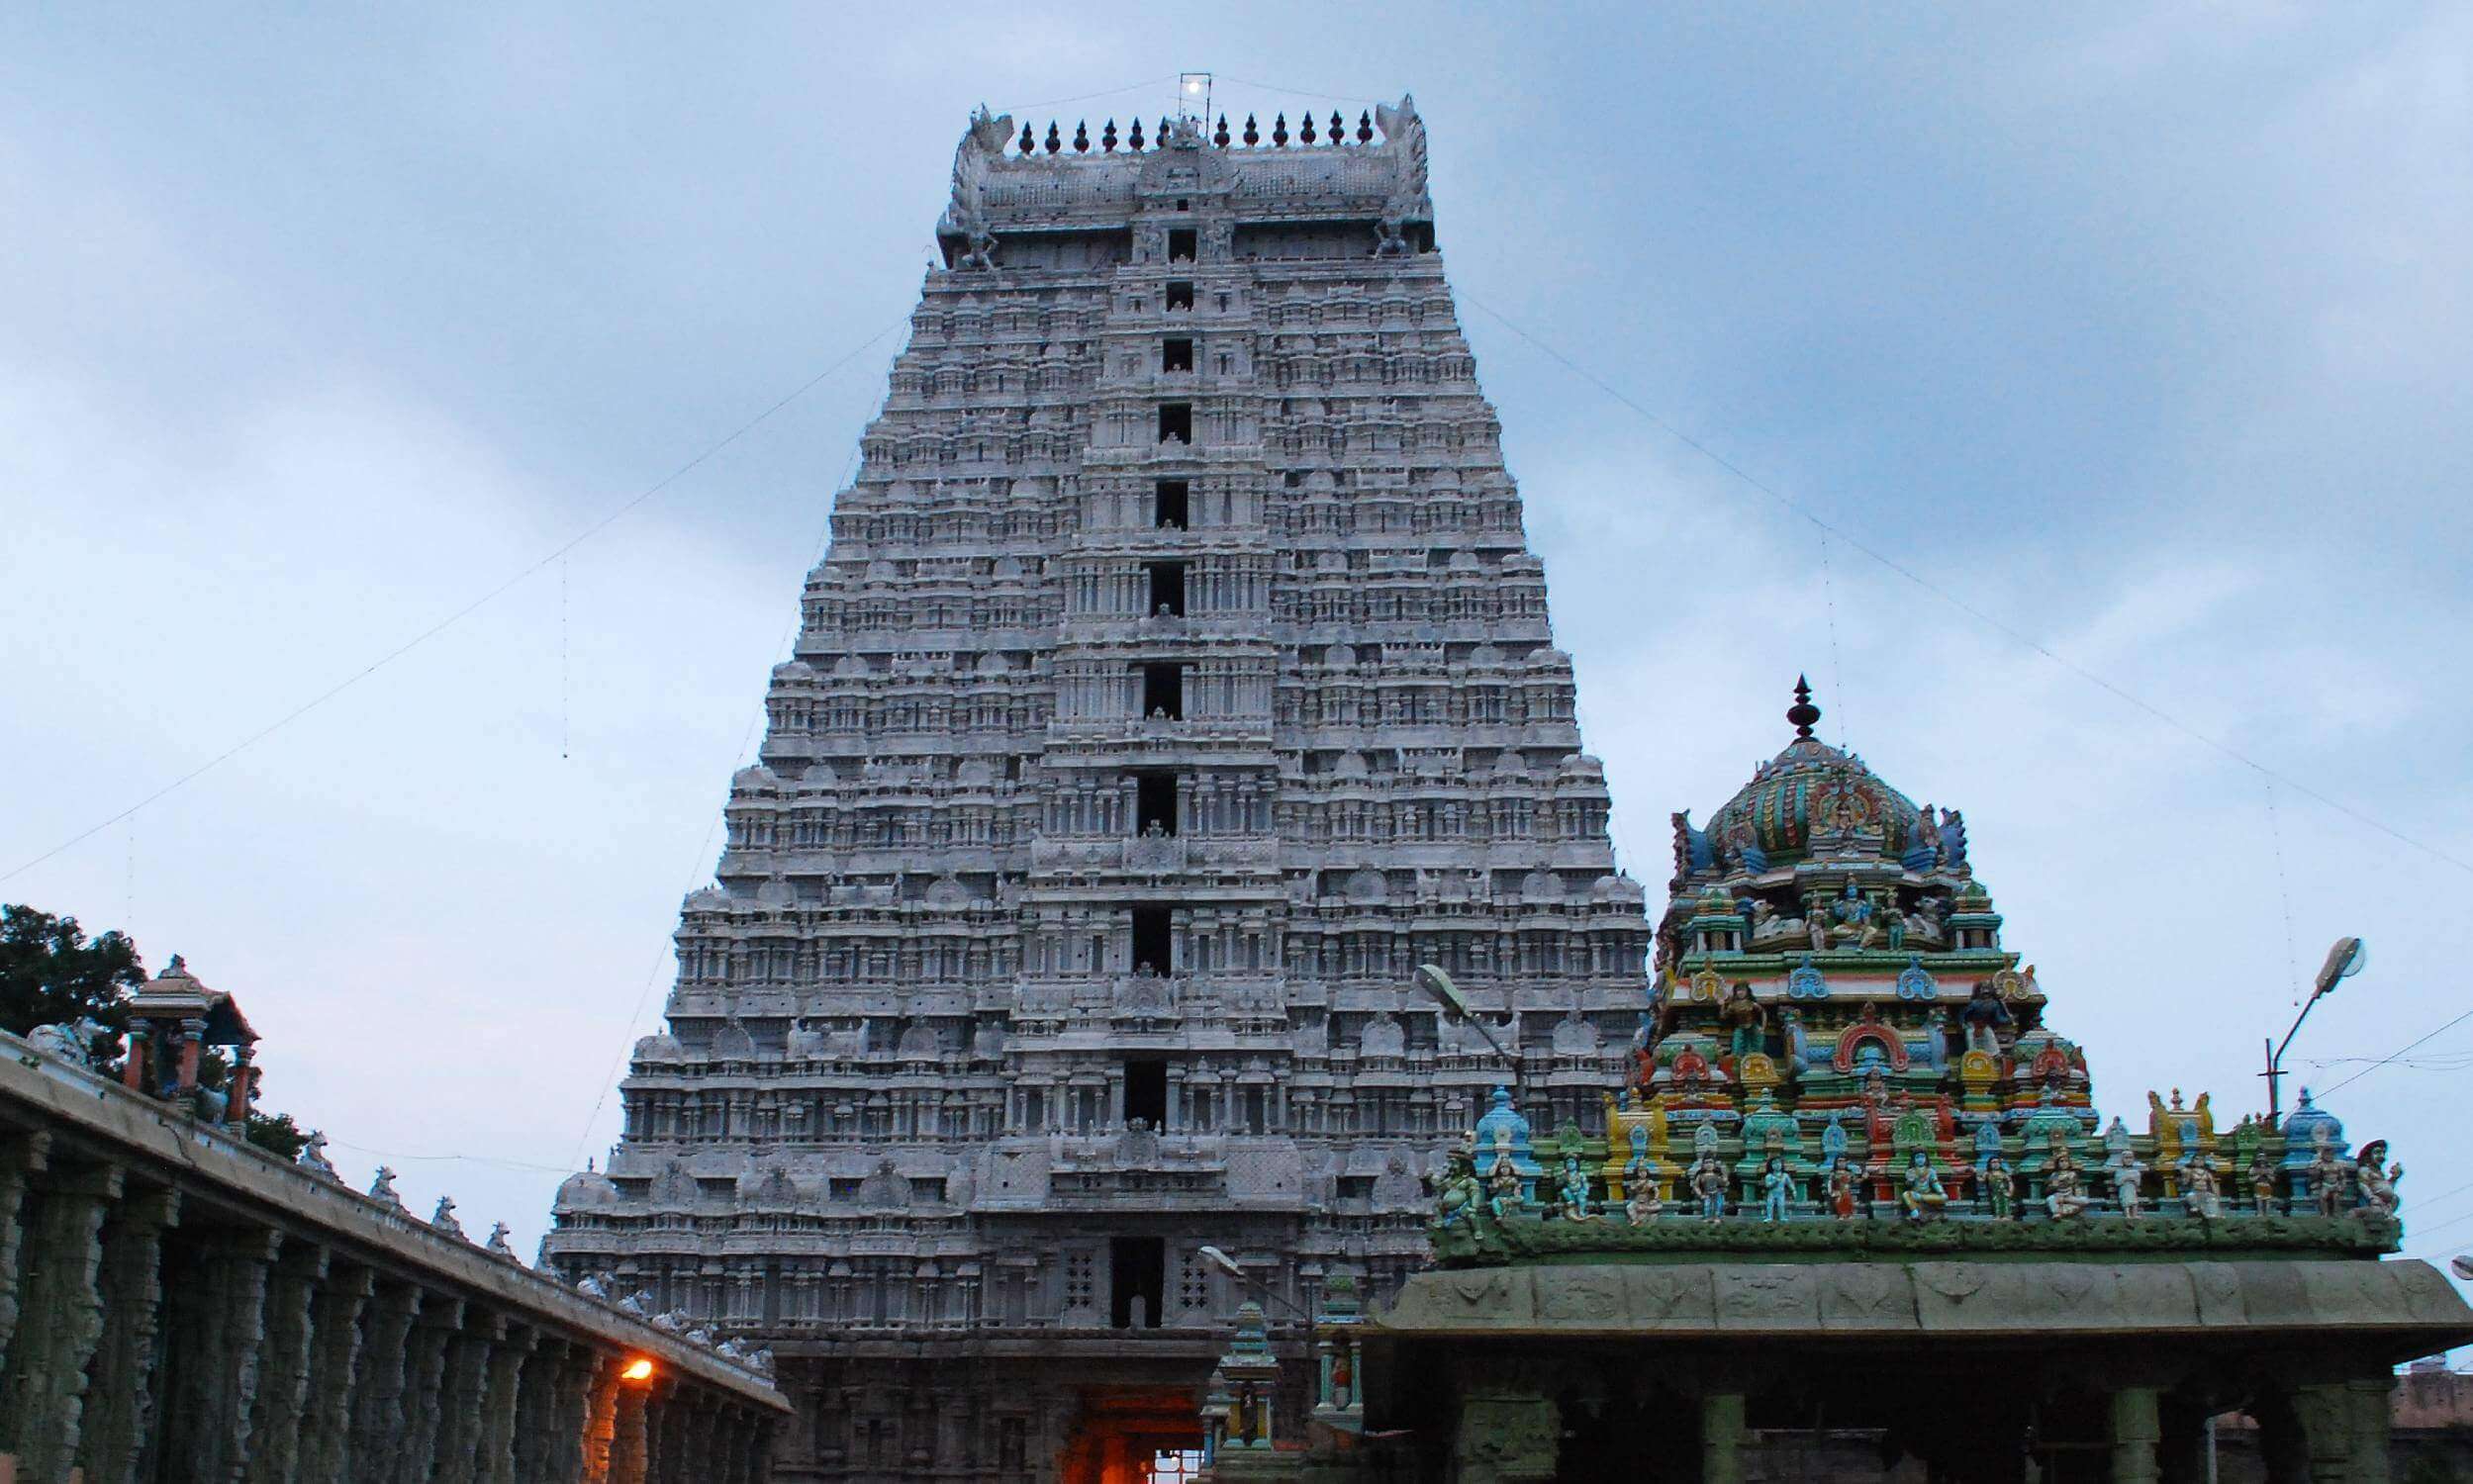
(1178, 681)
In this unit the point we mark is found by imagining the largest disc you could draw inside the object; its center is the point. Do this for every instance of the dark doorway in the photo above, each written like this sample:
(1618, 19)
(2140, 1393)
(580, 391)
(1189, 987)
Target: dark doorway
(1180, 296)
(1176, 355)
(1155, 803)
(1181, 244)
(1163, 691)
(1167, 588)
(1137, 1271)
(1169, 504)
(1176, 421)
(1146, 1090)
(1153, 939)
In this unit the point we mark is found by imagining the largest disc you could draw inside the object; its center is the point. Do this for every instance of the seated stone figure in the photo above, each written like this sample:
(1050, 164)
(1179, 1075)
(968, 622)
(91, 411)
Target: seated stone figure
(1922, 1198)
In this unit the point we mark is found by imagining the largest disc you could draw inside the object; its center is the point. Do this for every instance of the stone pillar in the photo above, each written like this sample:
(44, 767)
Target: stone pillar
(214, 1321)
(376, 1447)
(2345, 1429)
(501, 1392)
(424, 1386)
(338, 1365)
(120, 1394)
(2135, 1427)
(627, 1438)
(573, 1449)
(22, 1158)
(469, 1361)
(283, 1365)
(601, 1419)
(538, 1420)
(43, 1385)
(1721, 1438)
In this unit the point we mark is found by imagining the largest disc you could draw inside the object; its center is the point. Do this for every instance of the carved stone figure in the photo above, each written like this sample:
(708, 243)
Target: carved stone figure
(1575, 1205)
(382, 1188)
(1461, 1194)
(2062, 1199)
(72, 1042)
(313, 1158)
(1744, 1020)
(1922, 1197)
(1708, 1183)
(443, 1218)
(1504, 1187)
(2326, 1179)
(1841, 1188)
(2200, 1193)
(2377, 1180)
(498, 1242)
(1641, 1202)
(2262, 1175)
(1778, 1190)
(1987, 1019)
(2128, 1177)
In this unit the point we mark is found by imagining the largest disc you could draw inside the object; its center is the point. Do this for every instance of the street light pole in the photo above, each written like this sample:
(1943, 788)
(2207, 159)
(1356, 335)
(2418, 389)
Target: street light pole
(2344, 961)
(1233, 1269)
(1439, 988)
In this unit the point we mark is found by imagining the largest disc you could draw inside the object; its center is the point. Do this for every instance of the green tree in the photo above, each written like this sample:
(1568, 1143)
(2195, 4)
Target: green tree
(51, 974)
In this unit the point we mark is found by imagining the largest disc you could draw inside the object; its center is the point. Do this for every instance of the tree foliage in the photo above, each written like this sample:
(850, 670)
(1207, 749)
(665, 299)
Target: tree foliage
(51, 974)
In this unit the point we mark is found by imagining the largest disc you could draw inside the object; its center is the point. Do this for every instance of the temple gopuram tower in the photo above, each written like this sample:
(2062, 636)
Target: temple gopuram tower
(1177, 682)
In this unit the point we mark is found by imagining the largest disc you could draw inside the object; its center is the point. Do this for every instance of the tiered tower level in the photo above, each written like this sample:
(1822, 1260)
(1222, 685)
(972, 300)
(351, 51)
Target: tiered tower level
(1177, 682)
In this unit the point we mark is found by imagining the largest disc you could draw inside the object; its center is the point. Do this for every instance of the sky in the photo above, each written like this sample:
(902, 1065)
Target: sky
(2082, 398)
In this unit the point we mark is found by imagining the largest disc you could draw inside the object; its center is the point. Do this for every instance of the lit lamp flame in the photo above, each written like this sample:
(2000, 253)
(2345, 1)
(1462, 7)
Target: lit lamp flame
(638, 1369)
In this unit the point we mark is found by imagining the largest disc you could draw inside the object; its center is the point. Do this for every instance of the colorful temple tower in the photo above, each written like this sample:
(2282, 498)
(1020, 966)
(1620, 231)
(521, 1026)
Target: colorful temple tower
(1857, 1216)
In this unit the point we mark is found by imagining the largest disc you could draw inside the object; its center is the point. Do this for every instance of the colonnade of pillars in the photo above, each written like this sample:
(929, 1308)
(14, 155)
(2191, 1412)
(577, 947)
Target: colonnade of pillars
(146, 1338)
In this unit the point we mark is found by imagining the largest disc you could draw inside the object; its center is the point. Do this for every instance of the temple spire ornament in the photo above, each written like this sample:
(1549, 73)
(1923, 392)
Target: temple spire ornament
(1803, 714)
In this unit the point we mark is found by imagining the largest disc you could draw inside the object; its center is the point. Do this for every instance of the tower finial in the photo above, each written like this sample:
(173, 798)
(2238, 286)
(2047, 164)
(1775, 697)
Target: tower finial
(1803, 713)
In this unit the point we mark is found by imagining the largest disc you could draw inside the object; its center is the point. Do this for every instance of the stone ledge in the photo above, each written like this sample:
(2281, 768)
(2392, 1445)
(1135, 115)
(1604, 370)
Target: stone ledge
(1523, 1239)
(2406, 1304)
(154, 1140)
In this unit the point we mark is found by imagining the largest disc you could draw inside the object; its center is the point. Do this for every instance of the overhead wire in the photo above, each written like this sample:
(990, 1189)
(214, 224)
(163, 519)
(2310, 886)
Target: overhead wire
(1798, 509)
(2392, 1057)
(460, 613)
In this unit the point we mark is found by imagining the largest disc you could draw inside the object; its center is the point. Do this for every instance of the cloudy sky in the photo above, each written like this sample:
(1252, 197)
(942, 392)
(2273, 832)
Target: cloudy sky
(2140, 333)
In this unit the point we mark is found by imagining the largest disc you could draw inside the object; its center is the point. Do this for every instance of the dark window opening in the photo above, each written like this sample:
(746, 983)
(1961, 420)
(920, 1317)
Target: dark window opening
(1183, 205)
(1180, 296)
(1169, 504)
(1137, 1271)
(1152, 936)
(1167, 588)
(1176, 355)
(1356, 1188)
(1163, 691)
(1155, 803)
(1181, 244)
(1146, 1090)
(1176, 421)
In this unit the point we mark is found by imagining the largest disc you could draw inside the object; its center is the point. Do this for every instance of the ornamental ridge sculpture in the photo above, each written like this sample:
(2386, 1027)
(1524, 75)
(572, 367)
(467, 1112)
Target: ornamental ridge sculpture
(1946, 1114)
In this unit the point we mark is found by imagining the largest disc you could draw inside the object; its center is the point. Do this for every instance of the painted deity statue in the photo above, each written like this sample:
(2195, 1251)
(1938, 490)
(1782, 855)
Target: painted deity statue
(1778, 1190)
(2326, 1179)
(1745, 1020)
(1841, 1188)
(1641, 1202)
(2378, 1180)
(2128, 1178)
(1708, 1183)
(1461, 1193)
(2199, 1192)
(1502, 1188)
(1986, 1017)
(2262, 1184)
(2062, 1199)
(1575, 1205)
(1922, 1198)
(2000, 1187)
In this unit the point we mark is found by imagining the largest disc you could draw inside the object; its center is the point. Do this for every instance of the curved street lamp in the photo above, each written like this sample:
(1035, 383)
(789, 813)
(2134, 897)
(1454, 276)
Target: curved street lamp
(2344, 961)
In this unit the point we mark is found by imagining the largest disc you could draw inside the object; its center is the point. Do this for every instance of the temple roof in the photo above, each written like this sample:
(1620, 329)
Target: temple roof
(1812, 801)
